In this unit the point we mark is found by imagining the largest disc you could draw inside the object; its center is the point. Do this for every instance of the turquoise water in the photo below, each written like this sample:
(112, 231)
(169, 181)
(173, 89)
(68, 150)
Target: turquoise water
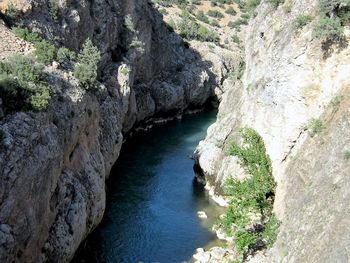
(153, 199)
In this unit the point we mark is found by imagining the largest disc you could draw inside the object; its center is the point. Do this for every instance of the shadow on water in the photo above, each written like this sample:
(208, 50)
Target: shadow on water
(152, 199)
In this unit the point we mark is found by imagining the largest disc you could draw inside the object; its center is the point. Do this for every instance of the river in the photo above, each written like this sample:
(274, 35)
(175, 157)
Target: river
(153, 199)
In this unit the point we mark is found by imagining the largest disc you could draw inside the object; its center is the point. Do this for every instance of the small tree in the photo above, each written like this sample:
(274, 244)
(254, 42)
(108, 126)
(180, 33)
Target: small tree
(88, 59)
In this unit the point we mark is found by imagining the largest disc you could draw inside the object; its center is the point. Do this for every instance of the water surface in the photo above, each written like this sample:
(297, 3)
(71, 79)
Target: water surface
(152, 199)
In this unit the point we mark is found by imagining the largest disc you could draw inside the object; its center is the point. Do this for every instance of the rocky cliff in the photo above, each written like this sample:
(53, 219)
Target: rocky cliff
(288, 82)
(54, 163)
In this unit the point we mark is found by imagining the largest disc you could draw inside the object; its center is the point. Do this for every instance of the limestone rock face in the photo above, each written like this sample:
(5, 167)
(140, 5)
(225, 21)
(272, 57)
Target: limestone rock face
(287, 82)
(53, 164)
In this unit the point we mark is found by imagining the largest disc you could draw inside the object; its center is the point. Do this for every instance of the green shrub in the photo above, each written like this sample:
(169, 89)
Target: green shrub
(270, 231)
(191, 30)
(214, 23)
(327, 28)
(138, 45)
(163, 11)
(244, 240)
(41, 98)
(24, 69)
(26, 35)
(129, 24)
(54, 9)
(215, 14)
(250, 204)
(237, 24)
(196, 2)
(125, 71)
(334, 15)
(231, 11)
(45, 52)
(205, 34)
(213, 3)
(302, 20)
(315, 126)
(250, 201)
(134, 41)
(65, 55)
(22, 85)
(88, 59)
(336, 8)
(202, 17)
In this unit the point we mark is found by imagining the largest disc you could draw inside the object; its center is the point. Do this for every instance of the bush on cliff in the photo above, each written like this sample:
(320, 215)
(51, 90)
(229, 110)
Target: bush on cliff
(86, 68)
(22, 85)
(329, 27)
(189, 29)
(45, 52)
(249, 218)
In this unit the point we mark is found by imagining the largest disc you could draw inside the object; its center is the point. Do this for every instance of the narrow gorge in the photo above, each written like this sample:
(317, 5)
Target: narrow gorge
(78, 79)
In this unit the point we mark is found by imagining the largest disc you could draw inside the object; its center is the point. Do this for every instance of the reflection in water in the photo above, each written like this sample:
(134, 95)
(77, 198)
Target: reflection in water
(152, 199)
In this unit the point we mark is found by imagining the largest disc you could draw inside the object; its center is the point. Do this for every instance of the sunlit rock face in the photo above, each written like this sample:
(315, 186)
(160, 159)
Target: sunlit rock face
(287, 82)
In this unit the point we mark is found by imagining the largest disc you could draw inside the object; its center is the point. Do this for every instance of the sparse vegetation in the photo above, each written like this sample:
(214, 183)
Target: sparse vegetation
(302, 20)
(22, 85)
(231, 11)
(88, 59)
(134, 42)
(163, 11)
(315, 126)
(335, 102)
(237, 23)
(202, 17)
(215, 13)
(125, 71)
(214, 23)
(54, 9)
(191, 30)
(329, 27)
(45, 52)
(249, 217)
(64, 55)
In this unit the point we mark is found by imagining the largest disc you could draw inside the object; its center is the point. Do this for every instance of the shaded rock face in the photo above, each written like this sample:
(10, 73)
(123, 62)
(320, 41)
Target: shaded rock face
(54, 164)
(287, 82)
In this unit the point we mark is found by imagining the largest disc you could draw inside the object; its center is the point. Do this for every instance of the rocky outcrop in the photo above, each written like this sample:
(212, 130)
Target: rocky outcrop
(286, 83)
(54, 164)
